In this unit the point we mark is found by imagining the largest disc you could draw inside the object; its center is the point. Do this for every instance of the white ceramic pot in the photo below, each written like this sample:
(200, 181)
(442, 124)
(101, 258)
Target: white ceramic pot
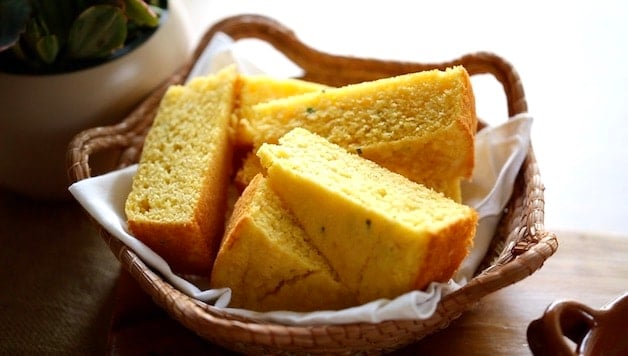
(39, 115)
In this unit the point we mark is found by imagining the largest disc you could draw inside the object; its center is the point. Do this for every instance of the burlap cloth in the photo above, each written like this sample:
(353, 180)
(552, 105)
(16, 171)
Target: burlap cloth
(57, 278)
(62, 292)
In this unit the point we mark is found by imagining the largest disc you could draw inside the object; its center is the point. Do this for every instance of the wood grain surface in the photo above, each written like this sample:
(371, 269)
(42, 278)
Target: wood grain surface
(588, 267)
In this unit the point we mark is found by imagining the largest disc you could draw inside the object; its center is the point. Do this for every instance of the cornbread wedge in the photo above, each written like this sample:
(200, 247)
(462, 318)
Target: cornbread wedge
(421, 125)
(267, 262)
(256, 89)
(177, 203)
(382, 234)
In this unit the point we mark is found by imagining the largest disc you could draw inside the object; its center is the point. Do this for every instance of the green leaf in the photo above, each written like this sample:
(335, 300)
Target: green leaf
(29, 60)
(13, 18)
(18, 51)
(57, 16)
(33, 33)
(140, 13)
(47, 48)
(97, 32)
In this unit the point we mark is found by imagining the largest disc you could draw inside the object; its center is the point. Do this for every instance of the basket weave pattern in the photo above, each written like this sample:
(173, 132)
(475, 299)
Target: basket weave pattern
(520, 245)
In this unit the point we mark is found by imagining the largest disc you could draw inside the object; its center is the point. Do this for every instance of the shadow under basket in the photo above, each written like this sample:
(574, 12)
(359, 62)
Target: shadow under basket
(519, 247)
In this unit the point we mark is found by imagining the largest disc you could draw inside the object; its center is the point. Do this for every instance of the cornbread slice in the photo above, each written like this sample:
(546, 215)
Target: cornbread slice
(421, 125)
(268, 264)
(178, 197)
(255, 89)
(382, 233)
(249, 168)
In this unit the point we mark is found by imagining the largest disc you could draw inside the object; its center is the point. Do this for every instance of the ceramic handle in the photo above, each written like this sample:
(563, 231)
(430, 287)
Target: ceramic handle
(567, 319)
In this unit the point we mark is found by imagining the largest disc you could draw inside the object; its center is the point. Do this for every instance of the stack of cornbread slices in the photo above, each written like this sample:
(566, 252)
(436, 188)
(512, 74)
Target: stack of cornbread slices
(343, 195)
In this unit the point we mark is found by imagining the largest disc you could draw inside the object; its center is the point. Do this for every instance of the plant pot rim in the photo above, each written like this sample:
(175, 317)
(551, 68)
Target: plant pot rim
(91, 64)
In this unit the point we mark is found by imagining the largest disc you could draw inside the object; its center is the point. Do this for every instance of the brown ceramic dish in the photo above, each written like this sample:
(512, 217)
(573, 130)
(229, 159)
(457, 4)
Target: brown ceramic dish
(593, 331)
(520, 245)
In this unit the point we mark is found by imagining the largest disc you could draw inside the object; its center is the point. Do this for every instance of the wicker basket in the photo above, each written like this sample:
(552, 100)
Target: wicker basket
(520, 245)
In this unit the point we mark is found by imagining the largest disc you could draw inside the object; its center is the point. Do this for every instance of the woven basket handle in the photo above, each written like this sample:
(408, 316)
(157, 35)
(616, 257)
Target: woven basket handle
(338, 70)
(318, 66)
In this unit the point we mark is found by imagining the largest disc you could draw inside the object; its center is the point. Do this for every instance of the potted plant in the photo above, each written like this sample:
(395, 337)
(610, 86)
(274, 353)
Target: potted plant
(73, 64)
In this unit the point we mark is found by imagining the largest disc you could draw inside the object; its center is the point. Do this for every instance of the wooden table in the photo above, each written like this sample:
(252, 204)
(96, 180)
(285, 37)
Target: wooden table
(61, 286)
(588, 267)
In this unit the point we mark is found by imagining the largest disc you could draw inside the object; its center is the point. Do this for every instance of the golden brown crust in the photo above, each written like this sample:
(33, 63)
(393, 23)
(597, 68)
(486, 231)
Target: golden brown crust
(167, 240)
(444, 256)
(240, 212)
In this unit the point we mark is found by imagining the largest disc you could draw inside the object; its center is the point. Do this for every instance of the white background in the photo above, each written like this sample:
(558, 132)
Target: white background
(572, 57)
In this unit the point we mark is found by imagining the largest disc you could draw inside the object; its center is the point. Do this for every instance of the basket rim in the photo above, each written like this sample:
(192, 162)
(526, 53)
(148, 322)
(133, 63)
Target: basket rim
(521, 247)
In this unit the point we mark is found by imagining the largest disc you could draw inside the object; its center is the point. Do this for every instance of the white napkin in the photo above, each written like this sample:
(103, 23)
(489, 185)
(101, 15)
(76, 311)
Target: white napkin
(500, 152)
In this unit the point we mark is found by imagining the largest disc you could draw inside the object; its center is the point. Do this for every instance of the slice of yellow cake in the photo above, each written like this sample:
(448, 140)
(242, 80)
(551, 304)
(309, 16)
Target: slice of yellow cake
(421, 125)
(178, 197)
(267, 262)
(249, 168)
(382, 233)
(255, 89)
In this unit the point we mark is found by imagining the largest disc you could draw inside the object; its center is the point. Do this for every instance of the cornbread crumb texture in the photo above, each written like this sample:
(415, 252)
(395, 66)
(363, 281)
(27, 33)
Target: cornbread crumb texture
(384, 110)
(267, 262)
(421, 125)
(176, 205)
(383, 234)
(257, 89)
(250, 166)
